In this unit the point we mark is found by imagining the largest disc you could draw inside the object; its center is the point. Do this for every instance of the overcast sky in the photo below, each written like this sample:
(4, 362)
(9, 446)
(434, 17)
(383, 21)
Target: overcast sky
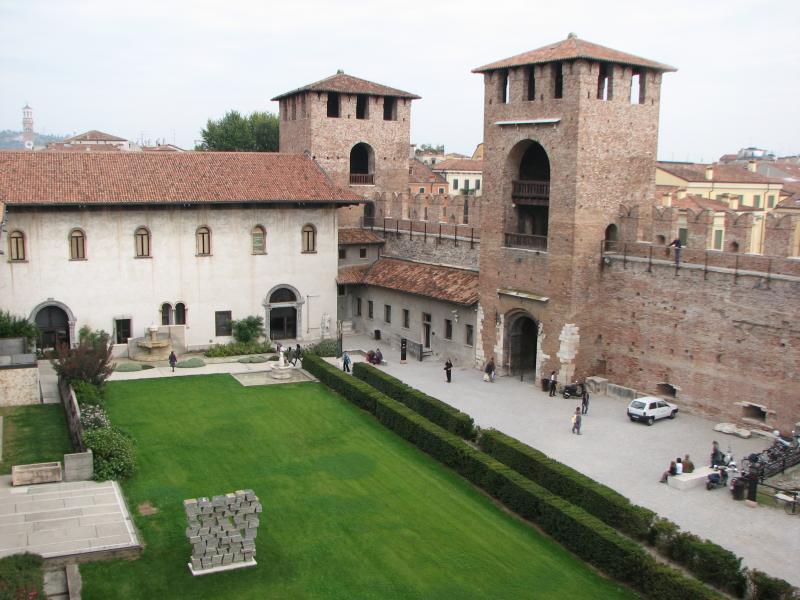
(160, 69)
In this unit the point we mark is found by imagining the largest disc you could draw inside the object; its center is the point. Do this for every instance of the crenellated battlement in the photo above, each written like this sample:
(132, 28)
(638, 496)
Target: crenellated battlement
(435, 208)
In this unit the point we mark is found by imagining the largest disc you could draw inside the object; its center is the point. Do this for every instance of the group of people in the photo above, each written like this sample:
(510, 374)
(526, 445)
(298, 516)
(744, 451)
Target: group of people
(678, 467)
(292, 354)
(374, 357)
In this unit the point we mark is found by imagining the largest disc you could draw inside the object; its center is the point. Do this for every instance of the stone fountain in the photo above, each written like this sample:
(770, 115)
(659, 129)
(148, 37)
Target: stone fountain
(281, 369)
(153, 347)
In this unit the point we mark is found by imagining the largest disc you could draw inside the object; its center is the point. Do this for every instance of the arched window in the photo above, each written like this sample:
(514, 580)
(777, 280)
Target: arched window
(141, 239)
(203, 238)
(309, 238)
(611, 237)
(166, 314)
(362, 164)
(77, 245)
(259, 238)
(16, 246)
(180, 314)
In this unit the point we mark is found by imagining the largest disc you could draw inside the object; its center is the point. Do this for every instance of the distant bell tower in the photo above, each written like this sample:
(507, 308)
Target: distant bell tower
(27, 127)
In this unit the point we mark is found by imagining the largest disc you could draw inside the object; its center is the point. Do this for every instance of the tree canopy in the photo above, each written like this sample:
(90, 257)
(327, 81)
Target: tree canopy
(257, 132)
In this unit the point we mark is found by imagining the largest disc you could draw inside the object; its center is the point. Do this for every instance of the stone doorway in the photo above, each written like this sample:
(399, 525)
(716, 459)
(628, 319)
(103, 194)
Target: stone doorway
(56, 324)
(283, 307)
(523, 333)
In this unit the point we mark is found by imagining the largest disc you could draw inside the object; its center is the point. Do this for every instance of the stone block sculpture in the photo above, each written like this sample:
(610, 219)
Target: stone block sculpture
(222, 531)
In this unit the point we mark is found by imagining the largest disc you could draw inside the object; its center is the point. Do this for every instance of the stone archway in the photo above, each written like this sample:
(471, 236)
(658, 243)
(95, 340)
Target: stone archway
(522, 338)
(56, 322)
(284, 313)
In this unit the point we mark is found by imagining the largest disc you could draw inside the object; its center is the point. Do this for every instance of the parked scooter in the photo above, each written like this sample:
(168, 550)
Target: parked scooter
(573, 390)
(719, 478)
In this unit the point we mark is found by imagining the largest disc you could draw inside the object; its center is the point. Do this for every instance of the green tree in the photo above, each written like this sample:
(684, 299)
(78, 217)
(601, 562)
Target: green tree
(12, 326)
(257, 132)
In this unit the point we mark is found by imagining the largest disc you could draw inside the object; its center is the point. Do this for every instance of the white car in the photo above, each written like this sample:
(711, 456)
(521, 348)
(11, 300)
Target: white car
(650, 408)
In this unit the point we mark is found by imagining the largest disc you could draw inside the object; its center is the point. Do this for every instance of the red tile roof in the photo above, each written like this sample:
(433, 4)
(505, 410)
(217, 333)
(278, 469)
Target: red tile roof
(64, 147)
(421, 173)
(94, 136)
(359, 237)
(699, 202)
(164, 177)
(347, 84)
(448, 284)
(459, 164)
(571, 49)
(728, 173)
(791, 168)
(351, 275)
(163, 148)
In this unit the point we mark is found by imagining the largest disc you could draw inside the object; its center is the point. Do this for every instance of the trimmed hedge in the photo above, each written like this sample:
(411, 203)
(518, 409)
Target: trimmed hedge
(433, 409)
(609, 506)
(22, 576)
(585, 535)
(765, 587)
(114, 455)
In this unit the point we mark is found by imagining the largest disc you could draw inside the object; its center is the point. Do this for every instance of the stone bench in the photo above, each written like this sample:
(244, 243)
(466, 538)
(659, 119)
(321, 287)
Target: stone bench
(686, 481)
(37, 473)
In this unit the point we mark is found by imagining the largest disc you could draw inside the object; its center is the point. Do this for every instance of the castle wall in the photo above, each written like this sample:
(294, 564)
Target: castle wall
(721, 340)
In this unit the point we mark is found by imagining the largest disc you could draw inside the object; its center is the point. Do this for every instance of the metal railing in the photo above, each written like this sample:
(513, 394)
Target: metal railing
(439, 231)
(525, 241)
(737, 263)
(530, 190)
(362, 179)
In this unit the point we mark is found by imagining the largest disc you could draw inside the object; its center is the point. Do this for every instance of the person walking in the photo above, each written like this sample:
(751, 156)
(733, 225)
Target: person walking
(173, 360)
(489, 371)
(576, 421)
(346, 362)
(552, 383)
(585, 400)
(298, 354)
(676, 243)
(448, 368)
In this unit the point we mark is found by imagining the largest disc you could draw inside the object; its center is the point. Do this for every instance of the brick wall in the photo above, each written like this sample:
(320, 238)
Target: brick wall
(721, 340)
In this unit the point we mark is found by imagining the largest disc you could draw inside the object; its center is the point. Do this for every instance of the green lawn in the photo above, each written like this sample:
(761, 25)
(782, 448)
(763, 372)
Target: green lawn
(32, 434)
(350, 510)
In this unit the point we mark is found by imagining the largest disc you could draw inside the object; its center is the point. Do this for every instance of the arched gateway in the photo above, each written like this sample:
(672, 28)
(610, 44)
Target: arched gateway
(522, 337)
(283, 306)
(56, 324)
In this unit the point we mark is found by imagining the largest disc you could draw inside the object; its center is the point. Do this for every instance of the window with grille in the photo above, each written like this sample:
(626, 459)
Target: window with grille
(222, 322)
(259, 239)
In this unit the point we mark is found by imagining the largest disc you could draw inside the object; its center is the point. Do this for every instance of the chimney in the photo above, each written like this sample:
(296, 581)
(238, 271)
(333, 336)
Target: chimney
(733, 202)
(666, 200)
(709, 173)
(682, 193)
(752, 166)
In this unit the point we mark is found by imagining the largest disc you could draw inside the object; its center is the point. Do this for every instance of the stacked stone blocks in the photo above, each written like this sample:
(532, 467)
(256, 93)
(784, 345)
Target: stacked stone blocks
(222, 531)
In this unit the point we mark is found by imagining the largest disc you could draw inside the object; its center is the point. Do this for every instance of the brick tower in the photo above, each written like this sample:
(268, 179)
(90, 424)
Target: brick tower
(27, 127)
(357, 130)
(570, 133)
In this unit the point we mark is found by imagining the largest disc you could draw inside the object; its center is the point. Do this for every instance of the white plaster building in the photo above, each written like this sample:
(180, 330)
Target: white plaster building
(123, 241)
(463, 175)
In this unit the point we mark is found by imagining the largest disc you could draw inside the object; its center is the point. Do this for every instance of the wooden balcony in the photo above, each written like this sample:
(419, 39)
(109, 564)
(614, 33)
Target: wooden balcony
(532, 193)
(362, 179)
(526, 242)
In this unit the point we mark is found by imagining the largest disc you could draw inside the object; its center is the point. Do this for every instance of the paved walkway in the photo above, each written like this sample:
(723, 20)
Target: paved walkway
(60, 519)
(628, 457)
(48, 383)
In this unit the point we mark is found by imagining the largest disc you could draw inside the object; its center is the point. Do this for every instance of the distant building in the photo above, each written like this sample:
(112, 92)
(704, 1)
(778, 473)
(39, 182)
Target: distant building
(422, 180)
(27, 127)
(478, 154)
(93, 138)
(463, 175)
(430, 157)
(747, 154)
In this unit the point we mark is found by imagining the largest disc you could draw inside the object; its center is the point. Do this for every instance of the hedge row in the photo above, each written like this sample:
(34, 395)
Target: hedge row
(585, 535)
(609, 506)
(433, 409)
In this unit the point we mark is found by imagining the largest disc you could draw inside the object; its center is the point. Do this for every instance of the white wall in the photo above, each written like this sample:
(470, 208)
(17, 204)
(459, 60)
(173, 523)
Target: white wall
(112, 283)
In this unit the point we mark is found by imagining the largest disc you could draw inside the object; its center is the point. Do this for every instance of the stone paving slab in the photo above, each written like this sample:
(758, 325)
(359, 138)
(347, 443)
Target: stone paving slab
(628, 457)
(62, 519)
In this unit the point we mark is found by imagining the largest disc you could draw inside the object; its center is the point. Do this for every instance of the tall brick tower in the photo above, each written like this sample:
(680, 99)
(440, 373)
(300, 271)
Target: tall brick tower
(570, 133)
(357, 130)
(27, 127)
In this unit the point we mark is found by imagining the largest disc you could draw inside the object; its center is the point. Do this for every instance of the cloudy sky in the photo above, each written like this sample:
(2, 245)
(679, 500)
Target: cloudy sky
(160, 69)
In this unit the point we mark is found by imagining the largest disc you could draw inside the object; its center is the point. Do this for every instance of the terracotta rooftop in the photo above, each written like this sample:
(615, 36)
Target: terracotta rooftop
(573, 48)
(448, 284)
(351, 275)
(791, 168)
(347, 84)
(54, 178)
(699, 203)
(66, 147)
(359, 237)
(728, 173)
(459, 164)
(94, 136)
(163, 148)
(419, 172)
